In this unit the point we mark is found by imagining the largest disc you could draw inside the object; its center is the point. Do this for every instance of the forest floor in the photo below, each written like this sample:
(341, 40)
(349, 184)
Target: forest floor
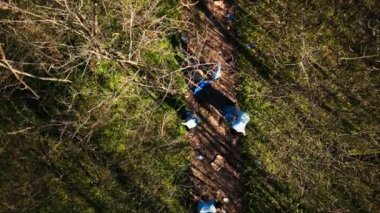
(219, 173)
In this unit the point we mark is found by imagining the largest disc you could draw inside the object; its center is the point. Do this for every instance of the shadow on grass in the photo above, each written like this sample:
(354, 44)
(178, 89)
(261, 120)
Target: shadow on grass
(147, 202)
(263, 192)
(254, 60)
(182, 178)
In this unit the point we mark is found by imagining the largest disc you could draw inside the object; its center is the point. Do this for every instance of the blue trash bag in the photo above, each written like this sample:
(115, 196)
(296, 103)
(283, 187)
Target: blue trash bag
(206, 206)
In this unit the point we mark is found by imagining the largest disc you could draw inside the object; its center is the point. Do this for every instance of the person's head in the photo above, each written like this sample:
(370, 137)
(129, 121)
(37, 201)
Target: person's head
(198, 75)
(205, 196)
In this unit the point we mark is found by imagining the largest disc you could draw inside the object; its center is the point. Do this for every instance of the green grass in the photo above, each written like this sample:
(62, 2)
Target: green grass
(106, 142)
(309, 107)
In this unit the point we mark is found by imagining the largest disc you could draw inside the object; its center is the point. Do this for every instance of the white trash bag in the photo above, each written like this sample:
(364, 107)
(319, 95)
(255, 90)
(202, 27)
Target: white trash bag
(191, 123)
(241, 122)
(218, 72)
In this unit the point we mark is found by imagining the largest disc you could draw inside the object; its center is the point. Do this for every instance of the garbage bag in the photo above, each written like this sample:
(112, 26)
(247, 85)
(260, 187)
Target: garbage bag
(190, 120)
(191, 123)
(241, 122)
(207, 206)
(217, 72)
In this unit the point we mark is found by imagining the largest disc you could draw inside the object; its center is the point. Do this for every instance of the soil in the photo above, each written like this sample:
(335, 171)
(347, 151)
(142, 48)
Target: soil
(219, 173)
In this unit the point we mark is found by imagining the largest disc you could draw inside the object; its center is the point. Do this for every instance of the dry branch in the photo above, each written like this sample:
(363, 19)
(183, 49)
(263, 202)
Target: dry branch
(4, 63)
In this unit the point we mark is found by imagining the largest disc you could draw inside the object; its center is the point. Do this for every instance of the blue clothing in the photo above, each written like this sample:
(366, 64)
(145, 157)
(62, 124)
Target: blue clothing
(229, 112)
(201, 85)
(206, 206)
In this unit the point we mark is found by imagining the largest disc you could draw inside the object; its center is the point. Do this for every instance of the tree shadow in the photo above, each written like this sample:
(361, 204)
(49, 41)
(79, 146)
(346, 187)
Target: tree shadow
(182, 178)
(148, 202)
(254, 60)
(259, 62)
(266, 194)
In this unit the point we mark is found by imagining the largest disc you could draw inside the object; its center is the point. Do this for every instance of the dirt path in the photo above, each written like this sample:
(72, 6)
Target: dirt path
(219, 172)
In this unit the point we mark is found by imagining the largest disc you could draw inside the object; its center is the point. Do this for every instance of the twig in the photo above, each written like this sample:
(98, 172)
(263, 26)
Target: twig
(20, 131)
(361, 57)
(4, 63)
(2, 56)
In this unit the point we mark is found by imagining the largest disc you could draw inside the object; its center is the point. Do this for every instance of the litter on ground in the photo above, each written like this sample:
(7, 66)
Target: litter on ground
(190, 120)
(237, 118)
(206, 206)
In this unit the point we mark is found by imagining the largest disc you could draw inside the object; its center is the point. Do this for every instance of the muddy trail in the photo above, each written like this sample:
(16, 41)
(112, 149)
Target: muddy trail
(218, 173)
